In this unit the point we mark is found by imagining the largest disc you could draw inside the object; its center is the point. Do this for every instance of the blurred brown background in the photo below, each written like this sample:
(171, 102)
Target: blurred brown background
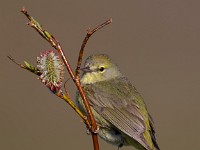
(155, 43)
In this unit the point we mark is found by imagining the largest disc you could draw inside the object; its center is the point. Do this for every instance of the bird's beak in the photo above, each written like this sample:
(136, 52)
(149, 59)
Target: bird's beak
(86, 69)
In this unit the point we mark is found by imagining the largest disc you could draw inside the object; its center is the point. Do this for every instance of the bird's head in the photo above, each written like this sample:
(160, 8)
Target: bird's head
(99, 67)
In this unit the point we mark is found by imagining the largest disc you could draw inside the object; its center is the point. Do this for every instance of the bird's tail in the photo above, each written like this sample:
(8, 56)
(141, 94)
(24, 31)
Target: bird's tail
(153, 137)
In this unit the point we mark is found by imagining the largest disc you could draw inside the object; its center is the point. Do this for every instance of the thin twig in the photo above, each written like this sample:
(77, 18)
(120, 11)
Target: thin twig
(77, 110)
(20, 65)
(89, 33)
(67, 93)
(33, 23)
(27, 66)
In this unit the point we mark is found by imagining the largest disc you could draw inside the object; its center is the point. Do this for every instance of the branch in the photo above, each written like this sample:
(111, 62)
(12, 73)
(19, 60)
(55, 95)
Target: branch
(89, 33)
(52, 40)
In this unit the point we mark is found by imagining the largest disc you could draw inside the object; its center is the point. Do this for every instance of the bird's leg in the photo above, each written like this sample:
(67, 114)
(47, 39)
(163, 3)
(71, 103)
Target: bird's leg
(89, 130)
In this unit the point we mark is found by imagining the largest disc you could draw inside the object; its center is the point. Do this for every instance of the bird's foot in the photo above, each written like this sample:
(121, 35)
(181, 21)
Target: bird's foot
(90, 130)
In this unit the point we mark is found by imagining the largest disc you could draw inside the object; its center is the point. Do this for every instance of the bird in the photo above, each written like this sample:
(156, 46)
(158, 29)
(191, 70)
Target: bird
(118, 108)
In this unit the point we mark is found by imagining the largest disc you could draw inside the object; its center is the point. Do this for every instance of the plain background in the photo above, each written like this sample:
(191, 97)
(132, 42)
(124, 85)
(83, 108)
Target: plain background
(155, 43)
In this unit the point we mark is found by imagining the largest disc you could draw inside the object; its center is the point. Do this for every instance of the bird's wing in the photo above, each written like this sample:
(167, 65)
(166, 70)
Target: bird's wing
(126, 123)
(116, 101)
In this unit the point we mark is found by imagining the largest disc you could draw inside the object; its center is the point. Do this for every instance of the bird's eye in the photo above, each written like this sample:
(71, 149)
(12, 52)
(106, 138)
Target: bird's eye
(101, 69)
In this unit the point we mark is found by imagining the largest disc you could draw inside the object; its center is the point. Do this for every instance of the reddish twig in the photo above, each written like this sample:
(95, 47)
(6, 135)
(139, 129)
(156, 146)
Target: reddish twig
(89, 33)
(77, 73)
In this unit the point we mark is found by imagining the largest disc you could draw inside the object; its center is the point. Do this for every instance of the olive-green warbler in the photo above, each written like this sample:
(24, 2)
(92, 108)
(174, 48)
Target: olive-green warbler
(118, 108)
